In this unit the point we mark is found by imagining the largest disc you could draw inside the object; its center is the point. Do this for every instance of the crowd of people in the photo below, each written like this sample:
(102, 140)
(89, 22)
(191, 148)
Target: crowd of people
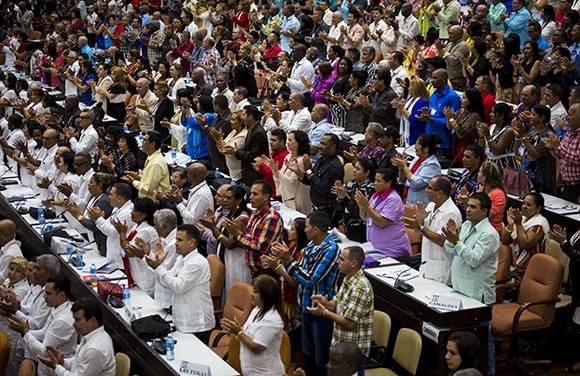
(257, 91)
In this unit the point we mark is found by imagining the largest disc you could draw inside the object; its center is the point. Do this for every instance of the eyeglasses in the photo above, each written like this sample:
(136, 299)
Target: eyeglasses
(83, 117)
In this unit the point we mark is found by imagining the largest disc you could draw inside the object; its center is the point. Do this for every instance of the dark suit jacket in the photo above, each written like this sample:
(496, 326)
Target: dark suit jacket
(223, 124)
(105, 205)
(256, 144)
(164, 111)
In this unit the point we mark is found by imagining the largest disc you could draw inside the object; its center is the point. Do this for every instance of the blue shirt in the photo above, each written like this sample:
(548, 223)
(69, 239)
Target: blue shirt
(197, 140)
(317, 272)
(517, 23)
(317, 131)
(86, 98)
(89, 51)
(437, 102)
(287, 24)
(542, 44)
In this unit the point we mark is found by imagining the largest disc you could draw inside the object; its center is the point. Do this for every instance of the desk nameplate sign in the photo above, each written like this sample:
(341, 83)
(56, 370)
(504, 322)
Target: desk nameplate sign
(430, 331)
(194, 369)
(445, 302)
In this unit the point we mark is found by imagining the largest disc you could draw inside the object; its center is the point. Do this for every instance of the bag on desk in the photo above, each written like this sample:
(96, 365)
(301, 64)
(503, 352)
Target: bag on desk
(515, 181)
(151, 327)
(108, 289)
(377, 356)
(48, 213)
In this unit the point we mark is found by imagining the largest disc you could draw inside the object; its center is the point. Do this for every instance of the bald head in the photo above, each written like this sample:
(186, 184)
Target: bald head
(455, 33)
(196, 173)
(198, 75)
(7, 231)
(82, 41)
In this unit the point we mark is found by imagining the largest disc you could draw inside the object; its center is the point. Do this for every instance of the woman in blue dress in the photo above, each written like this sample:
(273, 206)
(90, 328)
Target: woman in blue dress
(197, 147)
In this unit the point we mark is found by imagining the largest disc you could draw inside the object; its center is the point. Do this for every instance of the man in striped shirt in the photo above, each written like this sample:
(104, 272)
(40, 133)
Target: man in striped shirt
(316, 274)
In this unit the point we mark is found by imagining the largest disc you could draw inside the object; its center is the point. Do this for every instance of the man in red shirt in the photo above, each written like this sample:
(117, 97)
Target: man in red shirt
(483, 85)
(278, 152)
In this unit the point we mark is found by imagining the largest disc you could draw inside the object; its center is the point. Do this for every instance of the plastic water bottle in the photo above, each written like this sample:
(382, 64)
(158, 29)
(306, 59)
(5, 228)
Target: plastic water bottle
(93, 272)
(217, 173)
(126, 128)
(141, 137)
(127, 297)
(40, 214)
(173, 154)
(187, 78)
(48, 227)
(234, 182)
(69, 251)
(80, 257)
(170, 345)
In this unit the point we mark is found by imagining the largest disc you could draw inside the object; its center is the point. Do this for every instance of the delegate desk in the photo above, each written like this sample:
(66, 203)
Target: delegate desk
(412, 310)
(144, 359)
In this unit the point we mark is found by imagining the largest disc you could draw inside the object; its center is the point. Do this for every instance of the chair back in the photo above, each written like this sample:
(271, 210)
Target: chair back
(542, 281)
(407, 350)
(409, 211)
(4, 351)
(123, 363)
(553, 249)
(216, 283)
(348, 172)
(286, 351)
(238, 304)
(381, 328)
(504, 256)
(234, 354)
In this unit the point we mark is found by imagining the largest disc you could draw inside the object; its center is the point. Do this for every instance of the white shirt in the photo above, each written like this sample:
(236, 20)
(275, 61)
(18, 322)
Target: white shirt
(20, 288)
(58, 333)
(303, 68)
(335, 33)
(47, 165)
(15, 136)
(69, 87)
(199, 201)
(557, 111)
(175, 86)
(328, 17)
(114, 250)
(141, 272)
(33, 308)
(83, 196)
(95, 357)
(266, 332)
(189, 281)
(398, 73)
(7, 253)
(408, 29)
(437, 261)
(387, 40)
(10, 57)
(60, 178)
(243, 103)
(163, 295)
(87, 142)
(228, 94)
(300, 120)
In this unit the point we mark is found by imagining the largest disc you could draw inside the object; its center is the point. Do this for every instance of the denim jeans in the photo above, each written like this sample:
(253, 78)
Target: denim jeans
(316, 338)
(490, 352)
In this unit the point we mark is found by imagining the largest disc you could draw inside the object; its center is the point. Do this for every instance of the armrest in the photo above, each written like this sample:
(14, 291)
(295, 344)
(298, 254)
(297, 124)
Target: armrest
(524, 307)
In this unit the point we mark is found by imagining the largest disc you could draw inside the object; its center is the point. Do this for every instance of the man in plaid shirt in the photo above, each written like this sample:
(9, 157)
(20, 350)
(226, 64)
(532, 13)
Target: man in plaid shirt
(264, 228)
(568, 152)
(316, 274)
(352, 307)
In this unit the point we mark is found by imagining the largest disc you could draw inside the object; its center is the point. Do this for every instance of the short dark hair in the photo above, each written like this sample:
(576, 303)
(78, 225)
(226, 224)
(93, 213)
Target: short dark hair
(356, 253)
(367, 164)
(242, 90)
(253, 112)
(266, 188)
(156, 138)
(556, 90)
(484, 200)
(123, 190)
(302, 140)
(221, 101)
(279, 134)
(91, 307)
(468, 346)
(333, 139)
(191, 231)
(146, 206)
(538, 198)
(398, 55)
(384, 75)
(477, 151)
(430, 141)
(320, 220)
(61, 284)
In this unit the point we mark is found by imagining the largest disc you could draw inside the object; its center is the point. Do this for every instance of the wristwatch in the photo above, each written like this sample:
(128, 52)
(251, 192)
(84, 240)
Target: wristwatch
(309, 171)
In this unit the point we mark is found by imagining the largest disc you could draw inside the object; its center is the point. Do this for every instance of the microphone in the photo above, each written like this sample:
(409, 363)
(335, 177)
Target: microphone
(402, 285)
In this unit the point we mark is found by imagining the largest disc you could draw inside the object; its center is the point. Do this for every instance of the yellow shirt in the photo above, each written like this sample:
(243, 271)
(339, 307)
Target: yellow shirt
(155, 176)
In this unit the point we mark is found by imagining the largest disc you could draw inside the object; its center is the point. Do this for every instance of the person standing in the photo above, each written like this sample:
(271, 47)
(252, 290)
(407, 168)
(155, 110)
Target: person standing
(188, 279)
(429, 221)
(316, 274)
(351, 310)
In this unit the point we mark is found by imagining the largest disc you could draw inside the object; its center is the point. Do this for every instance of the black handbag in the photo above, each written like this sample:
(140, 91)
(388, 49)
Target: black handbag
(377, 357)
(151, 327)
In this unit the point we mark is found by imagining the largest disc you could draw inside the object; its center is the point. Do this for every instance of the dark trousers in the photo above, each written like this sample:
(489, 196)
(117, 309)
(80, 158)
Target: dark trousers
(204, 336)
(316, 337)
(571, 193)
